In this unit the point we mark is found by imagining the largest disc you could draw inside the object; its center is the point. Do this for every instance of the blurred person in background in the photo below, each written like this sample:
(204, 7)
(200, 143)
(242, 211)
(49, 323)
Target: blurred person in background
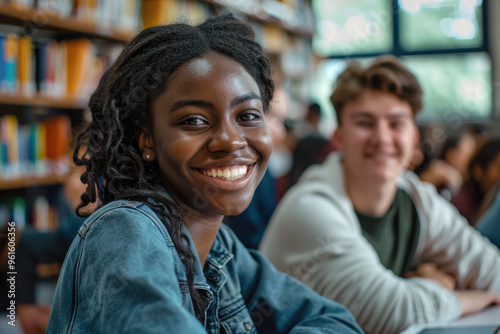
(310, 124)
(445, 177)
(483, 172)
(458, 150)
(488, 223)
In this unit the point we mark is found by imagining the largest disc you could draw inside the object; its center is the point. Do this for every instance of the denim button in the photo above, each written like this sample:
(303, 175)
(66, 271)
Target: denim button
(212, 278)
(248, 326)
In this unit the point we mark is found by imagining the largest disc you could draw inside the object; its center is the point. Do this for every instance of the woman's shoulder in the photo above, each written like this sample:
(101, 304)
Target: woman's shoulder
(124, 218)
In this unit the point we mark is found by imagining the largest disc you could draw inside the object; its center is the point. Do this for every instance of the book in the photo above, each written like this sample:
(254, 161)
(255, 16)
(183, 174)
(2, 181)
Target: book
(40, 51)
(10, 82)
(79, 56)
(57, 139)
(155, 12)
(25, 66)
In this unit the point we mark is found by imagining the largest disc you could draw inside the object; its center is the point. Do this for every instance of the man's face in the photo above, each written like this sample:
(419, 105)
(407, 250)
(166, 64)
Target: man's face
(377, 135)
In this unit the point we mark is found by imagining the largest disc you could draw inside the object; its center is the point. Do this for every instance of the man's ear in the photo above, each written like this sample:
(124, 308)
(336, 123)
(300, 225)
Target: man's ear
(337, 139)
(146, 144)
(416, 136)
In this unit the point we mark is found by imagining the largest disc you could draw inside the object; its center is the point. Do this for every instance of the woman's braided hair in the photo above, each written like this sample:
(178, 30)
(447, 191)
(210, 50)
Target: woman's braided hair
(122, 103)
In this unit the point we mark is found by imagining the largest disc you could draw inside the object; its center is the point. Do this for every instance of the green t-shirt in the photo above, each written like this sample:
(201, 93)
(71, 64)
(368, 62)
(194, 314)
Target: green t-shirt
(394, 236)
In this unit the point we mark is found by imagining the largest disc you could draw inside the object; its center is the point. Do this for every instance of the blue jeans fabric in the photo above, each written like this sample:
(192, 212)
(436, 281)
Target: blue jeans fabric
(122, 274)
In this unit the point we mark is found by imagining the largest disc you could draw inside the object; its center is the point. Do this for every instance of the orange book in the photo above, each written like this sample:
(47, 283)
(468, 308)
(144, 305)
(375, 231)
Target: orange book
(57, 137)
(155, 12)
(79, 55)
(25, 66)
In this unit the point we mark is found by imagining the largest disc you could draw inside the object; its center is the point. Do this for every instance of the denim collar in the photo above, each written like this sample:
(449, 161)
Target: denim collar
(219, 254)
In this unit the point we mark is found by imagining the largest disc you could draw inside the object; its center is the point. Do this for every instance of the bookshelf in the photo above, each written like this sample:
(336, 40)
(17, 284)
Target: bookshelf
(41, 101)
(38, 19)
(272, 14)
(31, 181)
(283, 27)
(50, 61)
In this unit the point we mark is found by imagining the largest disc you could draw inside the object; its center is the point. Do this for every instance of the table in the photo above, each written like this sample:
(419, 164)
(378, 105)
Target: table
(489, 316)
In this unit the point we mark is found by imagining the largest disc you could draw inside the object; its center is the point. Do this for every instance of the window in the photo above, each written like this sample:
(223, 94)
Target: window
(441, 41)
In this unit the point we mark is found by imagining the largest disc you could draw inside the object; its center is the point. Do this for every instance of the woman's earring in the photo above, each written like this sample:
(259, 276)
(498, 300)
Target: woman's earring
(147, 156)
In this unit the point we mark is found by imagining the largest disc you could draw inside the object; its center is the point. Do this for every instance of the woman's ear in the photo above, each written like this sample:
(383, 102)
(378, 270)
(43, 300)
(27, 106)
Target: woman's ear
(146, 144)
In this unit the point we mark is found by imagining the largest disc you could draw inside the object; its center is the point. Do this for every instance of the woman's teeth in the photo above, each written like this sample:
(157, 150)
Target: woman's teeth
(233, 173)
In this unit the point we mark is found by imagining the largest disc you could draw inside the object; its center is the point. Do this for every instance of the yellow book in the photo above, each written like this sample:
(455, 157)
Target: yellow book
(12, 138)
(155, 12)
(25, 66)
(41, 150)
(273, 38)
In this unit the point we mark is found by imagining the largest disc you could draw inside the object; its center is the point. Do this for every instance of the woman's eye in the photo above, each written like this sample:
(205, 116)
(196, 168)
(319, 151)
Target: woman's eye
(194, 121)
(248, 117)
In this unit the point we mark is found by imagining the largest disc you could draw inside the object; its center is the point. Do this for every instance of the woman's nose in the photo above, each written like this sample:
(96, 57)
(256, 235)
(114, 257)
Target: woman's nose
(228, 138)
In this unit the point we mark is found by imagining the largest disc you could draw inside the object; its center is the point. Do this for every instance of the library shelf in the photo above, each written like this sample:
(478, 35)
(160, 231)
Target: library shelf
(264, 17)
(41, 101)
(45, 20)
(30, 181)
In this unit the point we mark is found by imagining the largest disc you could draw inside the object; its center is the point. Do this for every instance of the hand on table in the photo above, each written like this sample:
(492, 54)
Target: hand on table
(473, 301)
(432, 272)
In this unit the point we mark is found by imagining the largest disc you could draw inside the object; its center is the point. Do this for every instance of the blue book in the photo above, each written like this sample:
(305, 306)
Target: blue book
(2, 61)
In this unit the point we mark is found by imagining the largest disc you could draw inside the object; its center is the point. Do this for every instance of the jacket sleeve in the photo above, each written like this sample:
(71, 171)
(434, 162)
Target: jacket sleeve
(319, 242)
(125, 279)
(279, 303)
(457, 247)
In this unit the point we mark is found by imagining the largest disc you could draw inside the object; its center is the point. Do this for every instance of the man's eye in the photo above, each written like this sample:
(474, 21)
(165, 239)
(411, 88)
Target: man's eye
(397, 124)
(364, 123)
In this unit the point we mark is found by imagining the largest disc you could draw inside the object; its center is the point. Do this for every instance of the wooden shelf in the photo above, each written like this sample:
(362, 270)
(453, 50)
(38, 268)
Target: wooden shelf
(49, 21)
(30, 181)
(263, 17)
(40, 101)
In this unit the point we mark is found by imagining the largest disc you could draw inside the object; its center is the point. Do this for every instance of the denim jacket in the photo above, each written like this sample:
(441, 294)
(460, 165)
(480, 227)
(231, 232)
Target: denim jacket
(122, 274)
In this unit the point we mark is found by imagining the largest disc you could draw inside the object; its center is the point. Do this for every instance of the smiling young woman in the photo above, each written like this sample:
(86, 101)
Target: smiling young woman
(178, 140)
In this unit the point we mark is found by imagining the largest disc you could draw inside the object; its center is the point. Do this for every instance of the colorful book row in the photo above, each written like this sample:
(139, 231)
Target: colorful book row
(67, 69)
(41, 213)
(116, 14)
(35, 149)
